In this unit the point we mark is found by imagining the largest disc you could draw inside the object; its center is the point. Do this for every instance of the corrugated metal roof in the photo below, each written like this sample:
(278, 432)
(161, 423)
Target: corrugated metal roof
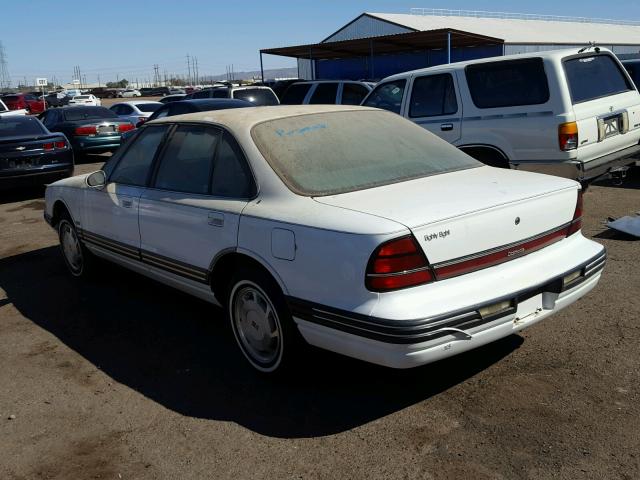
(522, 31)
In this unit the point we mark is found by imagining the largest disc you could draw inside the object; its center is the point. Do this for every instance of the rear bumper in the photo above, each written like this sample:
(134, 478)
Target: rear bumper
(583, 171)
(96, 144)
(410, 343)
(34, 176)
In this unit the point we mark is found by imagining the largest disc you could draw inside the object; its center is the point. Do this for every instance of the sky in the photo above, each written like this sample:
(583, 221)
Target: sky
(125, 39)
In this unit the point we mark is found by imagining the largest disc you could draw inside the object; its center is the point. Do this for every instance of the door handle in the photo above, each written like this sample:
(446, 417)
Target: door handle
(215, 219)
(127, 203)
(445, 127)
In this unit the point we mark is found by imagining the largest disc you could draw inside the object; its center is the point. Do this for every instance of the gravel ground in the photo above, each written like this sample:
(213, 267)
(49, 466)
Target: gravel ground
(124, 378)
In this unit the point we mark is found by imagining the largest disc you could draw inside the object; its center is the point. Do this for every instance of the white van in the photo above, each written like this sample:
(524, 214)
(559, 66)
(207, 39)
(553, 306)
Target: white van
(572, 113)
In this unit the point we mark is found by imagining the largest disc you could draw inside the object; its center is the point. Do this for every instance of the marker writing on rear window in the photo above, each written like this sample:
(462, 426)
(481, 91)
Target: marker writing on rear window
(300, 131)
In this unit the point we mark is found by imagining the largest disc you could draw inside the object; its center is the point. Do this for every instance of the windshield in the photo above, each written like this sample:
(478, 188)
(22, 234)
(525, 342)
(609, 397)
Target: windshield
(81, 97)
(148, 107)
(20, 125)
(11, 98)
(338, 152)
(86, 113)
(257, 96)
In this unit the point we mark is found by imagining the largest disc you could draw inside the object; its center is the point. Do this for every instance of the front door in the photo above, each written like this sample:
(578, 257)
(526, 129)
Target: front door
(111, 213)
(192, 211)
(434, 105)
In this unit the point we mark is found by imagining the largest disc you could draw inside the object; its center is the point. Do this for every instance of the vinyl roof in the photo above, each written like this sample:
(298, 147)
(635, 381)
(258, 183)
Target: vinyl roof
(521, 31)
(361, 47)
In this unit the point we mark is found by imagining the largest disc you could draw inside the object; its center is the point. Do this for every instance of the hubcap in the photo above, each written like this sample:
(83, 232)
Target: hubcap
(257, 325)
(70, 246)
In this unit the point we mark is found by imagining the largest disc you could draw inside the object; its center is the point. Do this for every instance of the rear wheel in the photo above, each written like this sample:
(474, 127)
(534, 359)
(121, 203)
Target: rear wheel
(261, 322)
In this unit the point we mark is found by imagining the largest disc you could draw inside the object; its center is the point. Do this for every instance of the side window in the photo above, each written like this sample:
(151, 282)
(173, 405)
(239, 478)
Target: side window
(231, 176)
(201, 94)
(133, 168)
(387, 96)
(179, 109)
(325, 93)
(432, 96)
(294, 95)
(161, 113)
(186, 163)
(49, 119)
(508, 83)
(125, 110)
(116, 109)
(220, 93)
(353, 94)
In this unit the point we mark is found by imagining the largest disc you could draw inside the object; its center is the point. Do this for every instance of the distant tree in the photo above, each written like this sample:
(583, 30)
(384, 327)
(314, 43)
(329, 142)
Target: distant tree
(121, 84)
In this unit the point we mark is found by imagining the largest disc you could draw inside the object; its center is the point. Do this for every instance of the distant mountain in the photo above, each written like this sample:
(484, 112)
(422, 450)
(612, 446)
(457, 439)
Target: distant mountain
(270, 73)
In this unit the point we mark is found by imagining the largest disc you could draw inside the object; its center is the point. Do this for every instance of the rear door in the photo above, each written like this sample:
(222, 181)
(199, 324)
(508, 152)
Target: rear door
(192, 212)
(605, 103)
(434, 104)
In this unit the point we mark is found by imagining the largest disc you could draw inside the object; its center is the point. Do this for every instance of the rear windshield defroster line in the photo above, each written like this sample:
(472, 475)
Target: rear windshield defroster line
(337, 152)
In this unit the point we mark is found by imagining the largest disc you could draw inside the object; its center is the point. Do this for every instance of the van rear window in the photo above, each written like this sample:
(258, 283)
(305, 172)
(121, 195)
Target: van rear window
(508, 83)
(595, 76)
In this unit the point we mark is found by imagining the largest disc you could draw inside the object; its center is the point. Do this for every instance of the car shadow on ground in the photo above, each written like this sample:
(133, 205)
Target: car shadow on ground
(631, 181)
(175, 350)
(13, 195)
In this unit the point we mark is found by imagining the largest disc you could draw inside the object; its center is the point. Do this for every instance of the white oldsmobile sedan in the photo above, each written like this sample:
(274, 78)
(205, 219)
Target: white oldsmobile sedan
(86, 100)
(349, 228)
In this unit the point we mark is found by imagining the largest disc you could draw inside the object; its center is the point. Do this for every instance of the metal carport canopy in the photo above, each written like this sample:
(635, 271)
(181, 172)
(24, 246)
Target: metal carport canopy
(402, 42)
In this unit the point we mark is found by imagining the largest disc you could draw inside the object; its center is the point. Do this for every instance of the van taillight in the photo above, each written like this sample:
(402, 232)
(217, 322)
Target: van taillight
(568, 136)
(576, 223)
(397, 264)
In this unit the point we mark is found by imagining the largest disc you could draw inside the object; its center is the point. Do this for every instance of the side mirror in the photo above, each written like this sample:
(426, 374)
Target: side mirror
(97, 179)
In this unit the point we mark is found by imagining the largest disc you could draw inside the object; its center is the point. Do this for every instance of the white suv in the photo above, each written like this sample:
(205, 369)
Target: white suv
(572, 113)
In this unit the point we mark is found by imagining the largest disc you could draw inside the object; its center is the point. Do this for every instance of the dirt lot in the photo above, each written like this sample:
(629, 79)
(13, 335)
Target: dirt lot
(124, 378)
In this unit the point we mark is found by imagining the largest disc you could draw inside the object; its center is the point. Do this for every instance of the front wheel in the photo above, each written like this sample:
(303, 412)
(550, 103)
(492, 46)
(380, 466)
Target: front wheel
(76, 256)
(261, 322)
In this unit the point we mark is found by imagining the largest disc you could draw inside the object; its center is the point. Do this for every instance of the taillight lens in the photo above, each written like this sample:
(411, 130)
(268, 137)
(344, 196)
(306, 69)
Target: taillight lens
(576, 223)
(568, 136)
(125, 127)
(397, 264)
(86, 130)
(142, 119)
(47, 146)
(61, 144)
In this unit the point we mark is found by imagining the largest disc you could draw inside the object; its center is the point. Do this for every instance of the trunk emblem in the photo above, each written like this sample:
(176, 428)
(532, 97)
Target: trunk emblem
(21, 148)
(517, 220)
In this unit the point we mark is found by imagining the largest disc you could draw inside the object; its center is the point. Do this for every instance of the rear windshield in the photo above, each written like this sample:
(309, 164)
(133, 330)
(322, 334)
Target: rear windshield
(594, 77)
(86, 113)
(148, 107)
(508, 83)
(338, 152)
(12, 126)
(257, 96)
(81, 97)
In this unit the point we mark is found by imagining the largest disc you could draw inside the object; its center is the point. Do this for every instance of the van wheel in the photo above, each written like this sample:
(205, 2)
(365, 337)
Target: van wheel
(261, 322)
(488, 157)
(78, 259)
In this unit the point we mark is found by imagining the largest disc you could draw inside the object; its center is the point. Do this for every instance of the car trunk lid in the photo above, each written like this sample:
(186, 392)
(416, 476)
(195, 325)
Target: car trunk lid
(471, 212)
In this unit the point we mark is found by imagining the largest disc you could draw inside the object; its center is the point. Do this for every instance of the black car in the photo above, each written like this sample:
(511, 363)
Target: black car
(30, 154)
(53, 100)
(174, 97)
(633, 67)
(191, 106)
(89, 129)
(146, 91)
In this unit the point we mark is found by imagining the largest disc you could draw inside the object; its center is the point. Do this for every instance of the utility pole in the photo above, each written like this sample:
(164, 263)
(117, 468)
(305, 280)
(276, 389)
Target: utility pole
(189, 68)
(99, 85)
(5, 78)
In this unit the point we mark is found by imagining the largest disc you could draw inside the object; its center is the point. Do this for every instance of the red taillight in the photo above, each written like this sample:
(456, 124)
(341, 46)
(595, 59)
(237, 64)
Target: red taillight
(47, 146)
(87, 130)
(125, 127)
(142, 119)
(61, 144)
(397, 264)
(576, 223)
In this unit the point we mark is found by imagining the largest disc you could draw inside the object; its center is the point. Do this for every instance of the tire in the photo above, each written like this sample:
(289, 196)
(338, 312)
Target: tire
(488, 157)
(261, 323)
(78, 259)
